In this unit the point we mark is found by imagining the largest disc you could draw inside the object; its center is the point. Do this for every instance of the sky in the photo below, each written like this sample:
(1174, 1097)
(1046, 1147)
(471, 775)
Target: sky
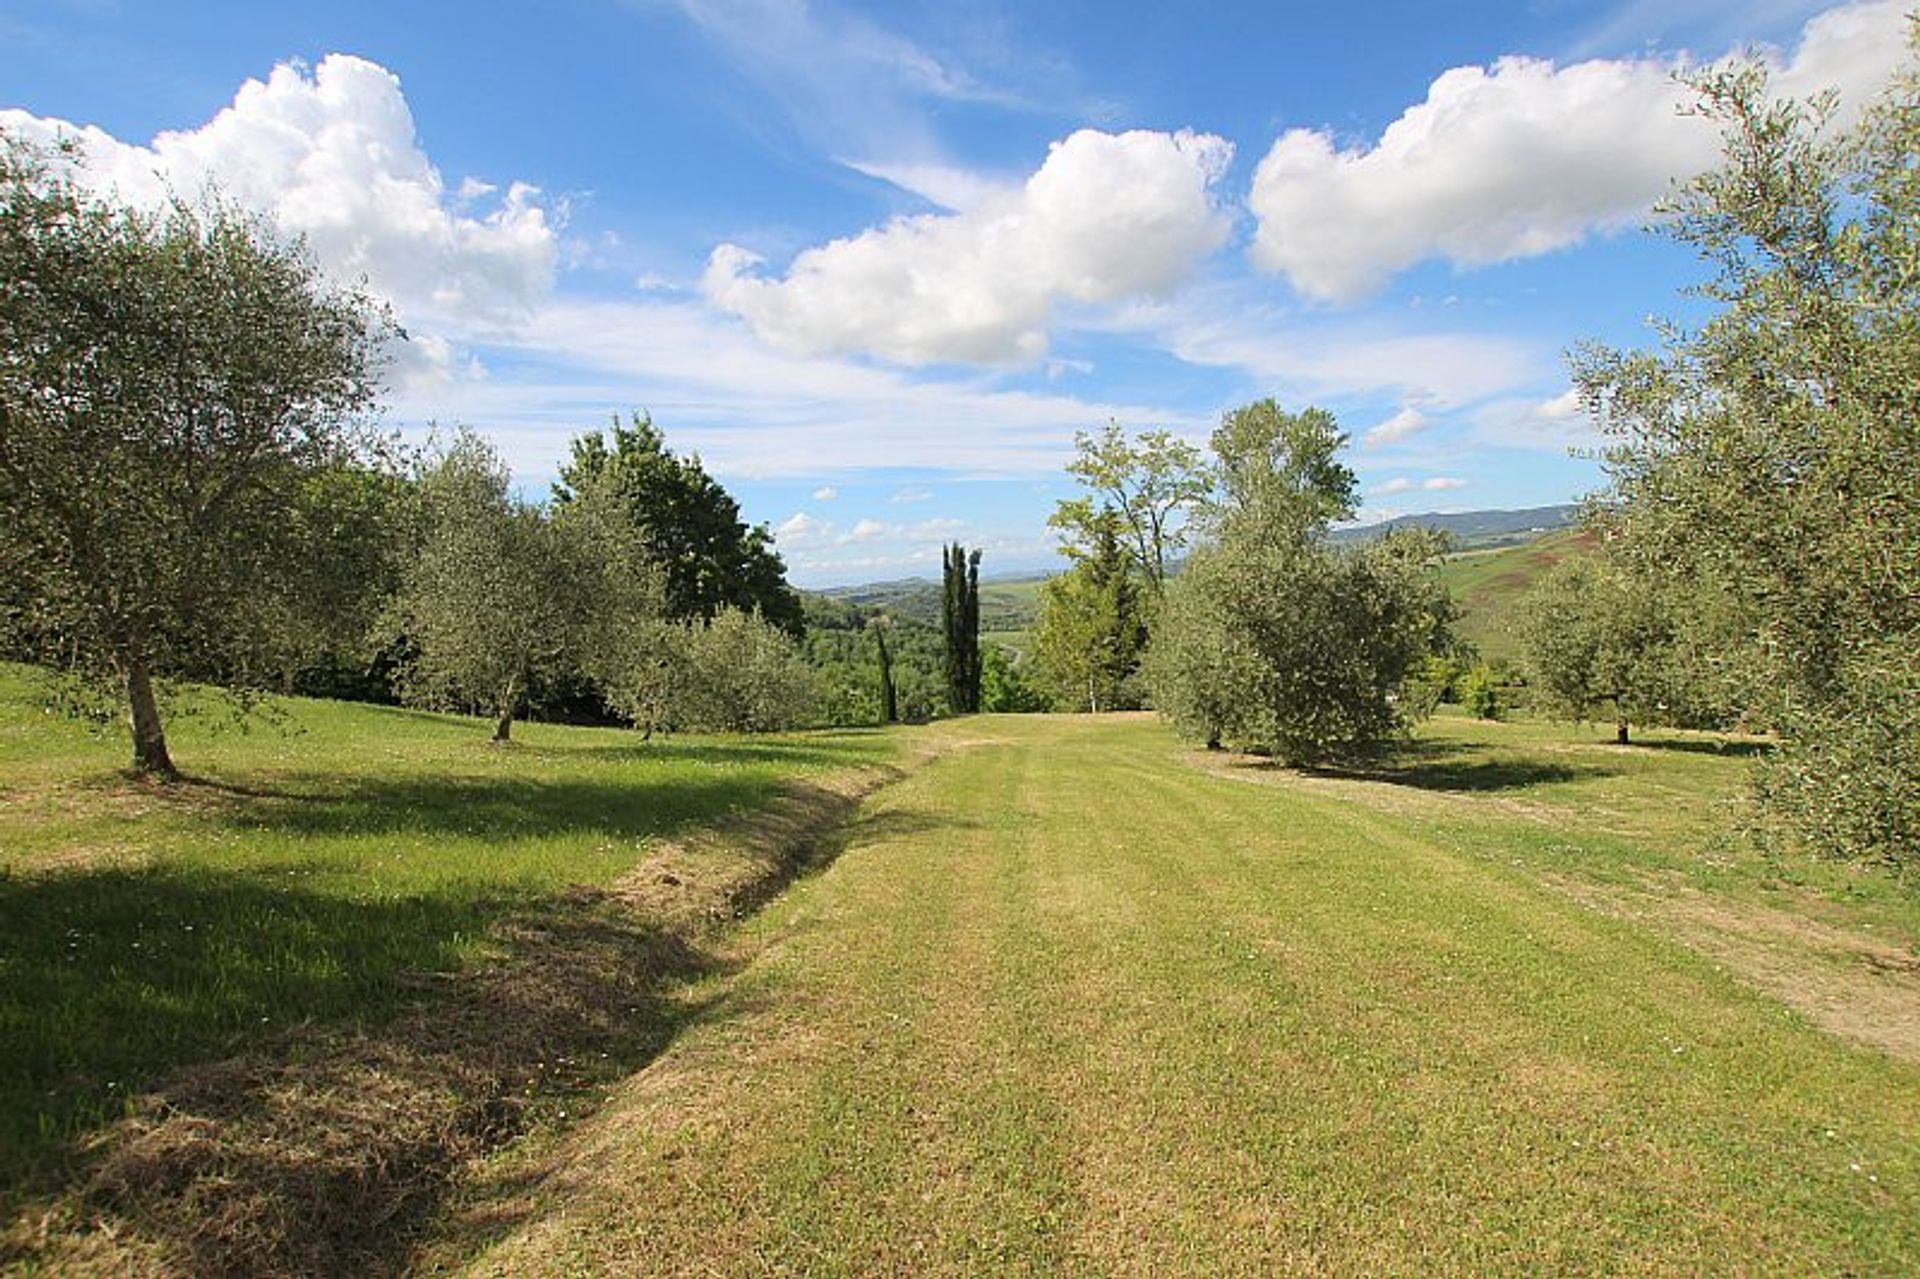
(878, 263)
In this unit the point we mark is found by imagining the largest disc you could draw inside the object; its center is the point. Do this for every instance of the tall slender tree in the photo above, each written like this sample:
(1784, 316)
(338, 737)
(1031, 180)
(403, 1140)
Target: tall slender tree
(889, 696)
(960, 617)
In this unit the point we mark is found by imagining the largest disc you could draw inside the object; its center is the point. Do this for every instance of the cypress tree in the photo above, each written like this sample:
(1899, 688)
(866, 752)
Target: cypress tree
(960, 621)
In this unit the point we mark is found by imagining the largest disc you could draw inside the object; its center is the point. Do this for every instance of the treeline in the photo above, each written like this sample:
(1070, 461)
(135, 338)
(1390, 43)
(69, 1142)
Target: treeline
(190, 490)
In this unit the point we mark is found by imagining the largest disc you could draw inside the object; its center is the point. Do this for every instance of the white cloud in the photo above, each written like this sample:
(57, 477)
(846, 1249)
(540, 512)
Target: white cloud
(913, 494)
(1555, 425)
(866, 531)
(1409, 421)
(1107, 217)
(946, 185)
(1316, 359)
(801, 529)
(332, 155)
(825, 493)
(748, 410)
(1519, 159)
(1406, 484)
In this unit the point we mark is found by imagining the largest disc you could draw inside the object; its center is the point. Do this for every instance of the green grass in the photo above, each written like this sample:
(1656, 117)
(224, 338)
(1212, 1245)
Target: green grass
(1487, 584)
(1077, 999)
(302, 877)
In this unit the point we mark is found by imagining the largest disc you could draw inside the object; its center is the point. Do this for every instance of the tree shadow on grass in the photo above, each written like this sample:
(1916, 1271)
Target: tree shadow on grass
(115, 976)
(299, 1077)
(1706, 746)
(1458, 767)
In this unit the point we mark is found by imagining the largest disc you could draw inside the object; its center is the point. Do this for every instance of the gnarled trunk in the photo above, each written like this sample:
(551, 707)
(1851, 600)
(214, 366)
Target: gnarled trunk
(143, 718)
(509, 698)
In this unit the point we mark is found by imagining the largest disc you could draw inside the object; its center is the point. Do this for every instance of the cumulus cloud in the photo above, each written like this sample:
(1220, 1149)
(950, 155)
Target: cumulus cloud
(1520, 158)
(801, 529)
(1409, 421)
(1557, 425)
(1406, 484)
(825, 493)
(332, 155)
(866, 531)
(1105, 218)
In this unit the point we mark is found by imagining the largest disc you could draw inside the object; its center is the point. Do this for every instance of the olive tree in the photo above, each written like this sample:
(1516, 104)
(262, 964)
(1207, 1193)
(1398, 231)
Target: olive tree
(1272, 638)
(493, 597)
(171, 382)
(1772, 455)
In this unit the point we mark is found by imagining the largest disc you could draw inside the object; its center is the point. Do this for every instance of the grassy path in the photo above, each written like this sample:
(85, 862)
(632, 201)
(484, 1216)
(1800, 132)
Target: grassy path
(1069, 1003)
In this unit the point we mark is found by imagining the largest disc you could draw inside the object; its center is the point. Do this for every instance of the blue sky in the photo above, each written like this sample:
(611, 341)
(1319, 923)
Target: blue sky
(878, 263)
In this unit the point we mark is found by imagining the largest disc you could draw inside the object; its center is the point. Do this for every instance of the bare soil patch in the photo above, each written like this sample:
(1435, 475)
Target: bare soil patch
(1851, 983)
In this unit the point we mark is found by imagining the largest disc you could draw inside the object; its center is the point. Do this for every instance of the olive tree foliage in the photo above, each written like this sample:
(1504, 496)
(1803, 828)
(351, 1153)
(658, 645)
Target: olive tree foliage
(1273, 639)
(175, 387)
(1771, 456)
(495, 594)
(737, 673)
(1599, 644)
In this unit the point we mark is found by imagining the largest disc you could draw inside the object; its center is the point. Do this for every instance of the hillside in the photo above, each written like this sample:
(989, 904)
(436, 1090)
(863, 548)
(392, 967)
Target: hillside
(1475, 530)
(1487, 583)
(1006, 604)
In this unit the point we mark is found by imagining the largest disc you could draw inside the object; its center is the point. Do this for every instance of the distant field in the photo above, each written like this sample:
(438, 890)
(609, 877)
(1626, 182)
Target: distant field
(1486, 584)
(1004, 605)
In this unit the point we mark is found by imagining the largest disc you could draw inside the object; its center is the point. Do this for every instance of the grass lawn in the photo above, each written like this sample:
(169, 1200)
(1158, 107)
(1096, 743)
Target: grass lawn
(1077, 999)
(312, 874)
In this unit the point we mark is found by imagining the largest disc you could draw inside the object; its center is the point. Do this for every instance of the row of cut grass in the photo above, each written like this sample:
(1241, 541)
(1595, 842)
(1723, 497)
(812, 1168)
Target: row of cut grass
(1080, 1001)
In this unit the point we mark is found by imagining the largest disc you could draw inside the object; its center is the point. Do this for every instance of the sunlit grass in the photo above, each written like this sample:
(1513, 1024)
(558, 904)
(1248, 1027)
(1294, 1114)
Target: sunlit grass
(1082, 1000)
(307, 868)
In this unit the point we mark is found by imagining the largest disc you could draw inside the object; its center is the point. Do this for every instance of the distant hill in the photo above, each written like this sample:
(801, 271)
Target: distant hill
(1489, 581)
(1476, 529)
(1498, 556)
(1006, 604)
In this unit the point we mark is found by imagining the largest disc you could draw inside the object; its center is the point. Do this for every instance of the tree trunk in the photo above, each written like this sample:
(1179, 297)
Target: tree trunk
(1620, 733)
(503, 730)
(143, 717)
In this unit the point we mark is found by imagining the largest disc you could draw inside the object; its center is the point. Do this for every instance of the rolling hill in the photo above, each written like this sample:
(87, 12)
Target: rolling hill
(1488, 582)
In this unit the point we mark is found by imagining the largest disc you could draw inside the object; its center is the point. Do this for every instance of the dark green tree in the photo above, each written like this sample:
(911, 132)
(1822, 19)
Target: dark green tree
(889, 695)
(689, 524)
(960, 623)
(173, 388)
(1092, 630)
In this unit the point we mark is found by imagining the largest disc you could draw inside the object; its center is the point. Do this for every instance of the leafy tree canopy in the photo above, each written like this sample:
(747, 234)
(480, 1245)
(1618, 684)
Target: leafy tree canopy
(1772, 455)
(181, 400)
(688, 523)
